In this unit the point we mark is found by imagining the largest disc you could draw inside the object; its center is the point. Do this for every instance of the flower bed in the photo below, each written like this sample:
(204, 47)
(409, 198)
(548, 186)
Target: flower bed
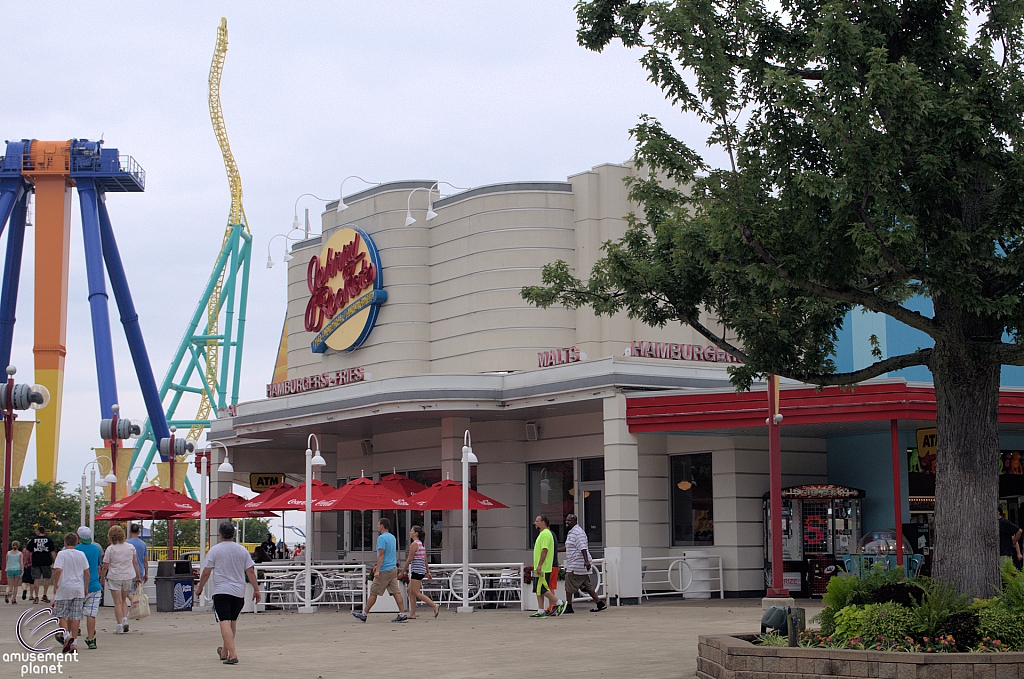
(882, 611)
(887, 627)
(734, 657)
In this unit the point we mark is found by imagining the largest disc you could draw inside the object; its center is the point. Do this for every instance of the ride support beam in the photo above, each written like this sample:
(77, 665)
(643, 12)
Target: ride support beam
(106, 377)
(132, 329)
(12, 276)
(53, 239)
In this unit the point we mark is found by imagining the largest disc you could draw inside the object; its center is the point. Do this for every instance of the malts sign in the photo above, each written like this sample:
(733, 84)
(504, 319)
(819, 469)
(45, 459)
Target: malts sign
(346, 291)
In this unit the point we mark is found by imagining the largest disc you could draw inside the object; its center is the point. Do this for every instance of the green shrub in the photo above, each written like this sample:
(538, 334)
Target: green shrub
(772, 639)
(963, 627)
(847, 590)
(1013, 586)
(889, 621)
(849, 622)
(903, 593)
(996, 620)
(940, 600)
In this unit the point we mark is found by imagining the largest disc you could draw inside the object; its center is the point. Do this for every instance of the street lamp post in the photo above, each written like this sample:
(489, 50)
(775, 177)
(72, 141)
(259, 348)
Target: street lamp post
(15, 397)
(311, 461)
(467, 458)
(89, 489)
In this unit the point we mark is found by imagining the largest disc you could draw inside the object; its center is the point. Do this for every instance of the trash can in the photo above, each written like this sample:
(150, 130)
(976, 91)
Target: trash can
(173, 586)
(703, 575)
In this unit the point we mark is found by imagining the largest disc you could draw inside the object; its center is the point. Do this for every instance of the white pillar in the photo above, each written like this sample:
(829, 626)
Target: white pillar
(622, 521)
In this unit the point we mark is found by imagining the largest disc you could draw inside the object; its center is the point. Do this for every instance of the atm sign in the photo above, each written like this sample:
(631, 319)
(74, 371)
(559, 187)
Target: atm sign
(260, 482)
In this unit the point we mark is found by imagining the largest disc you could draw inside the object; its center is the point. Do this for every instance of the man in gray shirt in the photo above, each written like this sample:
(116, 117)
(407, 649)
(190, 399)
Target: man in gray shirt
(230, 565)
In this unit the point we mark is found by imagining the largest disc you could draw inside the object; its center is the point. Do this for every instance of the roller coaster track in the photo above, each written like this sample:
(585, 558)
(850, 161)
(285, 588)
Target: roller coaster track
(203, 364)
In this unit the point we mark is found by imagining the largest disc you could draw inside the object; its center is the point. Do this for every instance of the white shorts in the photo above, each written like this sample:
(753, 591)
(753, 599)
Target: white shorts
(120, 585)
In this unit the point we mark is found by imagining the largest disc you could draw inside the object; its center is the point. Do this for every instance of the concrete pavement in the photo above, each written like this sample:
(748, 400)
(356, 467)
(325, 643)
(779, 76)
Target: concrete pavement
(656, 640)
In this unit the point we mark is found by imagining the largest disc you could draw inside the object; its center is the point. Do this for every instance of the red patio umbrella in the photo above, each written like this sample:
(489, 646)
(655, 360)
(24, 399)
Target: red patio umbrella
(269, 494)
(151, 502)
(295, 499)
(447, 494)
(361, 494)
(402, 484)
(227, 506)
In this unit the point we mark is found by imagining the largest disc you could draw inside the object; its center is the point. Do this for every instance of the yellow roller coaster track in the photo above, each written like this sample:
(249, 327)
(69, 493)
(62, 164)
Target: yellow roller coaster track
(235, 216)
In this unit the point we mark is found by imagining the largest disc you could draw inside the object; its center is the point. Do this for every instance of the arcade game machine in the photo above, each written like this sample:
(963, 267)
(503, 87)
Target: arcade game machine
(821, 523)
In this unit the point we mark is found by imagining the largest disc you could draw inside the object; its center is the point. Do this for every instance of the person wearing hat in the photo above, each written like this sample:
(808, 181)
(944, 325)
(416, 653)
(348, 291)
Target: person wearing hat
(94, 555)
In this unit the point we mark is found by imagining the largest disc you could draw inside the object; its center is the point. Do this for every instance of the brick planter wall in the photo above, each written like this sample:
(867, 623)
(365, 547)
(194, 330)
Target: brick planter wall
(726, 657)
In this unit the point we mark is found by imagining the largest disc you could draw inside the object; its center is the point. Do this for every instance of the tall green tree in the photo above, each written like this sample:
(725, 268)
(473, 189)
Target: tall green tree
(872, 158)
(43, 504)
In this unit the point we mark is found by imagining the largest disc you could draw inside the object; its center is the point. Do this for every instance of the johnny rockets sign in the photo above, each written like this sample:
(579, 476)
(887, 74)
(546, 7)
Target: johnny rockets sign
(346, 291)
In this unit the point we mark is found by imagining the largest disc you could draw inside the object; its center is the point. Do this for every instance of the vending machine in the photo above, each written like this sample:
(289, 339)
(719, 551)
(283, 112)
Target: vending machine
(820, 524)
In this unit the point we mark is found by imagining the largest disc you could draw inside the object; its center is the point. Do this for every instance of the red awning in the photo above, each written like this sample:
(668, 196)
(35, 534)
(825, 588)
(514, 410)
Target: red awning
(873, 401)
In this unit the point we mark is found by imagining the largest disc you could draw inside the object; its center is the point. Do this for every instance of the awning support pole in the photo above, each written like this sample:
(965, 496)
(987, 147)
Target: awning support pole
(775, 487)
(897, 489)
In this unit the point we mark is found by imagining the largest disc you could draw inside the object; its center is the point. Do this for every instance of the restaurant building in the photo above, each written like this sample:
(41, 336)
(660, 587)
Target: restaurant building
(405, 328)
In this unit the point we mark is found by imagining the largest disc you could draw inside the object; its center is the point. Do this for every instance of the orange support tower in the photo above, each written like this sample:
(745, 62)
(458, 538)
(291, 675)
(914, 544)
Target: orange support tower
(50, 172)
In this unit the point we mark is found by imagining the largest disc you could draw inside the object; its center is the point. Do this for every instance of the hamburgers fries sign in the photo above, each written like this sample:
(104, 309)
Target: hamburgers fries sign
(346, 291)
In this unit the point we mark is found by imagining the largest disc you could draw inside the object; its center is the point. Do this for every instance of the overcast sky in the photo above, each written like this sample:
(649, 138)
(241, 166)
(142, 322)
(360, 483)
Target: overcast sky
(466, 92)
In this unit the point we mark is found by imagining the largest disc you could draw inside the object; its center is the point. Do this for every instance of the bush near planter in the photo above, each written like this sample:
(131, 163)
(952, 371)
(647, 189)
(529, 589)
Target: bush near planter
(883, 611)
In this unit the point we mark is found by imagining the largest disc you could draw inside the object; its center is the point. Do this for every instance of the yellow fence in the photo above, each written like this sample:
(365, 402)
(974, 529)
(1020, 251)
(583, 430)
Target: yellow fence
(187, 552)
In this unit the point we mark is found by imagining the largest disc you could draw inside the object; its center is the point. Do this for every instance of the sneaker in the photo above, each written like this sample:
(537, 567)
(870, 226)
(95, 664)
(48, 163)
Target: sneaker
(91, 643)
(600, 607)
(560, 608)
(124, 625)
(24, 593)
(361, 617)
(568, 610)
(539, 614)
(59, 637)
(35, 601)
(402, 617)
(69, 645)
(7, 598)
(119, 630)
(45, 600)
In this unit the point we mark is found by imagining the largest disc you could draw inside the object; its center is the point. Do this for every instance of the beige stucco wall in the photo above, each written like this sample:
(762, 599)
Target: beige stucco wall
(454, 282)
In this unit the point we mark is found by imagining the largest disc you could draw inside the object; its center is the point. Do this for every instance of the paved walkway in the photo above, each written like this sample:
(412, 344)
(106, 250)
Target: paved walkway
(656, 640)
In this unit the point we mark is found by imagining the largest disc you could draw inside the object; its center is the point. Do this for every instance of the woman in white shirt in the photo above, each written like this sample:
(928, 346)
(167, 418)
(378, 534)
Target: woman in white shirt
(121, 571)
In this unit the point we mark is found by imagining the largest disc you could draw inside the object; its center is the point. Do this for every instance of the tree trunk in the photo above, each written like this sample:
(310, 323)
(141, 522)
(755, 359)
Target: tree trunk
(967, 470)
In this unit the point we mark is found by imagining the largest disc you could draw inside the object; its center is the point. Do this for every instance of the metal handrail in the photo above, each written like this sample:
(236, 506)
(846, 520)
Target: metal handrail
(654, 585)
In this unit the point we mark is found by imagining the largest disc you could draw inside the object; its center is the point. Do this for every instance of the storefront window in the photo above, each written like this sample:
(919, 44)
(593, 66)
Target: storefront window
(430, 521)
(551, 484)
(591, 469)
(363, 532)
(692, 501)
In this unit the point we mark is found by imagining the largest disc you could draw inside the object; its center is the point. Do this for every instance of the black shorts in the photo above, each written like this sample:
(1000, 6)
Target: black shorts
(227, 607)
(42, 572)
(417, 576)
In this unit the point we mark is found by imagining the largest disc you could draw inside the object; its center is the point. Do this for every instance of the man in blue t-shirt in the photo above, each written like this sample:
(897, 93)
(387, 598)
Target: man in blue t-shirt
(385, 572)
(91, 607)
(141, 551)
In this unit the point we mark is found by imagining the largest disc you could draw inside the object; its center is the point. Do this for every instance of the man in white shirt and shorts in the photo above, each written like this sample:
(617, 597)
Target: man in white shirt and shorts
(230, 564)
(70, 587)
(577, 565)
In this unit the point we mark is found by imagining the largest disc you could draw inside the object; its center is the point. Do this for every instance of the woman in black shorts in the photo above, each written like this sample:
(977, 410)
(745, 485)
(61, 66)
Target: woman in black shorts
(418, 568)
